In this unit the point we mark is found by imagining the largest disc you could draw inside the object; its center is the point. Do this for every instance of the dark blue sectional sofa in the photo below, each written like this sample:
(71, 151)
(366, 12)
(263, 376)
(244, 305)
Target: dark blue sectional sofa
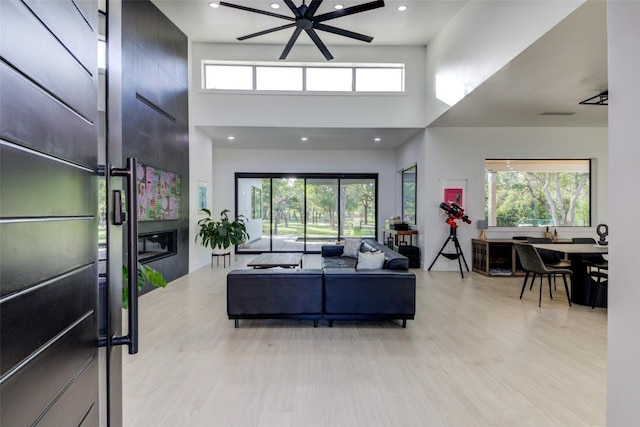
(337, 292)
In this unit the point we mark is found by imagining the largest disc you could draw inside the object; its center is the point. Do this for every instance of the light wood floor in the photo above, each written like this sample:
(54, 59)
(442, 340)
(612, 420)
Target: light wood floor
(475, 355)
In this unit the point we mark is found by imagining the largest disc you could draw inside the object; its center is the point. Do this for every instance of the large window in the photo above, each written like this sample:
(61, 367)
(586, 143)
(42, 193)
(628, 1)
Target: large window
(301, 212)
(243, 76)
(538, 193)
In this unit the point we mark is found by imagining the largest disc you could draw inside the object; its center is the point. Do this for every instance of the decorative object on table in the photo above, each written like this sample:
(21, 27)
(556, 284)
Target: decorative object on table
(145, 274)
(222, 233)
(482, 226)
(603, 232)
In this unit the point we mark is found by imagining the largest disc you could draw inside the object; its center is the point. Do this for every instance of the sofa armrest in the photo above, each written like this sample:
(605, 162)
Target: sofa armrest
(332, 250)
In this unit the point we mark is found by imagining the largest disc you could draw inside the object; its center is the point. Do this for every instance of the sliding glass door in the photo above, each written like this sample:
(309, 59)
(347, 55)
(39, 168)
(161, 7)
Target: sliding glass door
(301, 212)
(322, 212)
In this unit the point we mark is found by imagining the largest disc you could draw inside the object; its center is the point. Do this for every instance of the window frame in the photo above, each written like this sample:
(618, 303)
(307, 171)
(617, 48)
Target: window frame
(304, 176)
(415, 193)
(589, 162)
(304, 66)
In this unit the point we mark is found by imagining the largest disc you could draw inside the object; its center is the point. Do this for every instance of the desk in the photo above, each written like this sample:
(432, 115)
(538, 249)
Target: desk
(396, 234)
(581, 282)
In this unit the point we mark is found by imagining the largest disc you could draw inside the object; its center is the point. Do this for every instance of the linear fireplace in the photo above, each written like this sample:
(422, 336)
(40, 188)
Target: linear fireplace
(156, 245)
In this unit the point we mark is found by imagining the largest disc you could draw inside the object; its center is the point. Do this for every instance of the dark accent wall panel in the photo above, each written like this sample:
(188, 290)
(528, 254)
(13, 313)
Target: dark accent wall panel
(41, 178)
(35, 119)
(70, 26)
(45, 60)
(156, 113)
(33, 252)
(20, 338)
(45, 377)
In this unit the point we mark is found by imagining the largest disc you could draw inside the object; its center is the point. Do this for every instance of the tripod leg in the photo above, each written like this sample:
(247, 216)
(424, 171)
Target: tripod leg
(459, 252)
(460, 266)
(439, 253)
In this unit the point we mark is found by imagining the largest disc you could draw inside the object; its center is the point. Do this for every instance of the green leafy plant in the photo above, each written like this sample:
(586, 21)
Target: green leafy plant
(145, 274)
(222, 233)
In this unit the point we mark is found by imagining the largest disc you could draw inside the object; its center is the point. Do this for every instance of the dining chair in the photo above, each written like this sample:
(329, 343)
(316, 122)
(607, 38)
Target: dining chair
(602, 282)
(592, 260)
(532, 263)
(550, 258)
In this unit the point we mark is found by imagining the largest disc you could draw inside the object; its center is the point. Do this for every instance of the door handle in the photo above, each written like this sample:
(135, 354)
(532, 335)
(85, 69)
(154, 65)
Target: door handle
(129, 173)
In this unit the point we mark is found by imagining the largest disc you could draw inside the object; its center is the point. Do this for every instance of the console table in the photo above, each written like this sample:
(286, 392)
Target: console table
(494, 257)
(398, 233)
(497, 257)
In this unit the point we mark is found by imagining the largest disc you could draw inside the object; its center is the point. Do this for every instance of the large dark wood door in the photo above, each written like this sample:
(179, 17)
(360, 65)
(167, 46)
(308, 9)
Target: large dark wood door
(48, 203)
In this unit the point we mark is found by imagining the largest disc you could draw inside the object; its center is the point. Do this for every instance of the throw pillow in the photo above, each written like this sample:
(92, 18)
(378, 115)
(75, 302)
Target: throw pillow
(370, 261)
(351, 248)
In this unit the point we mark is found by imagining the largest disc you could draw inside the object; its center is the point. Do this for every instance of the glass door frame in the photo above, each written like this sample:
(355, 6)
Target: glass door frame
(304, 176)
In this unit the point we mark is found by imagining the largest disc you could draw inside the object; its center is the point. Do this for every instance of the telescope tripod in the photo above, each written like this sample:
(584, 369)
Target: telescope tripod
(453, 236)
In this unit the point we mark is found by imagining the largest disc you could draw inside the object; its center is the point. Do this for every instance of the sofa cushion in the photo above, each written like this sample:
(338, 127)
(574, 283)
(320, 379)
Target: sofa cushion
(338, 262)
(351, 248)
(370, 261)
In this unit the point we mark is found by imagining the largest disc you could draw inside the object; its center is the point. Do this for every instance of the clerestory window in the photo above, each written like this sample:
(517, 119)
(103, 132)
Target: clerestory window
(264, 77)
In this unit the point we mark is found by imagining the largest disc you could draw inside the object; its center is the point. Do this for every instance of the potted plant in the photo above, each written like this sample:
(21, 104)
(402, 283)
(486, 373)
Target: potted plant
(145, 274)
(222, 233)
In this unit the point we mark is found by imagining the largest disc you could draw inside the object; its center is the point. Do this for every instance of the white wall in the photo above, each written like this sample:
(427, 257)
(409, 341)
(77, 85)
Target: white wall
(481, 39)
(459, 154)
(226, 162)
(623, 369)
(199, 170)
(350, 110)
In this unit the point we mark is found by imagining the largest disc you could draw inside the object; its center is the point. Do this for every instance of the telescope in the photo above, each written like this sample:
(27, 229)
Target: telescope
(455, 212)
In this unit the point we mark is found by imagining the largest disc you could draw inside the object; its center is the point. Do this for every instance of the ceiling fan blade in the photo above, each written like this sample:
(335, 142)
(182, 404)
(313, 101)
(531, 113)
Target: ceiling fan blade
(293, 8)
(312, 9)
(271, 30)
(349, 11)
(262, 12)
(312, 34)
(341, 32)
(291, 42)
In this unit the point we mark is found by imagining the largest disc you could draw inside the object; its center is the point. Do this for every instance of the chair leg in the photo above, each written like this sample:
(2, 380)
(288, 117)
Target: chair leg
(533, 279)
(554, 279)
(595, 292)
(566, 289)
(524, 284)
(540, 296)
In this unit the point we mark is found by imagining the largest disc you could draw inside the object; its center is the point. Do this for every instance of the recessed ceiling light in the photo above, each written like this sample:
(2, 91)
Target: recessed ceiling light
(214, 4)
(338, 6)
(274, 6)
(402, 8)
(304, 138)
(377, 139)
(231, 137)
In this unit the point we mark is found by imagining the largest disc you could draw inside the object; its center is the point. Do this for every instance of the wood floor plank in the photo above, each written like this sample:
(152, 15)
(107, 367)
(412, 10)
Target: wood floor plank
(475, 355)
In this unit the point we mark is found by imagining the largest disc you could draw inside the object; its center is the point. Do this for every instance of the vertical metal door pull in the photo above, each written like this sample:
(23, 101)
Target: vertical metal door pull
(129, 173)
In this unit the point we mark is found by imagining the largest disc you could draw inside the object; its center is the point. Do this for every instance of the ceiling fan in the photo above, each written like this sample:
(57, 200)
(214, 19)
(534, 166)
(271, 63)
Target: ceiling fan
(304, 19)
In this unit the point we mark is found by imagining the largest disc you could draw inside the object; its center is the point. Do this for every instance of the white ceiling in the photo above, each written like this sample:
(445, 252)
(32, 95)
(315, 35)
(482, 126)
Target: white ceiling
(565, 66)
